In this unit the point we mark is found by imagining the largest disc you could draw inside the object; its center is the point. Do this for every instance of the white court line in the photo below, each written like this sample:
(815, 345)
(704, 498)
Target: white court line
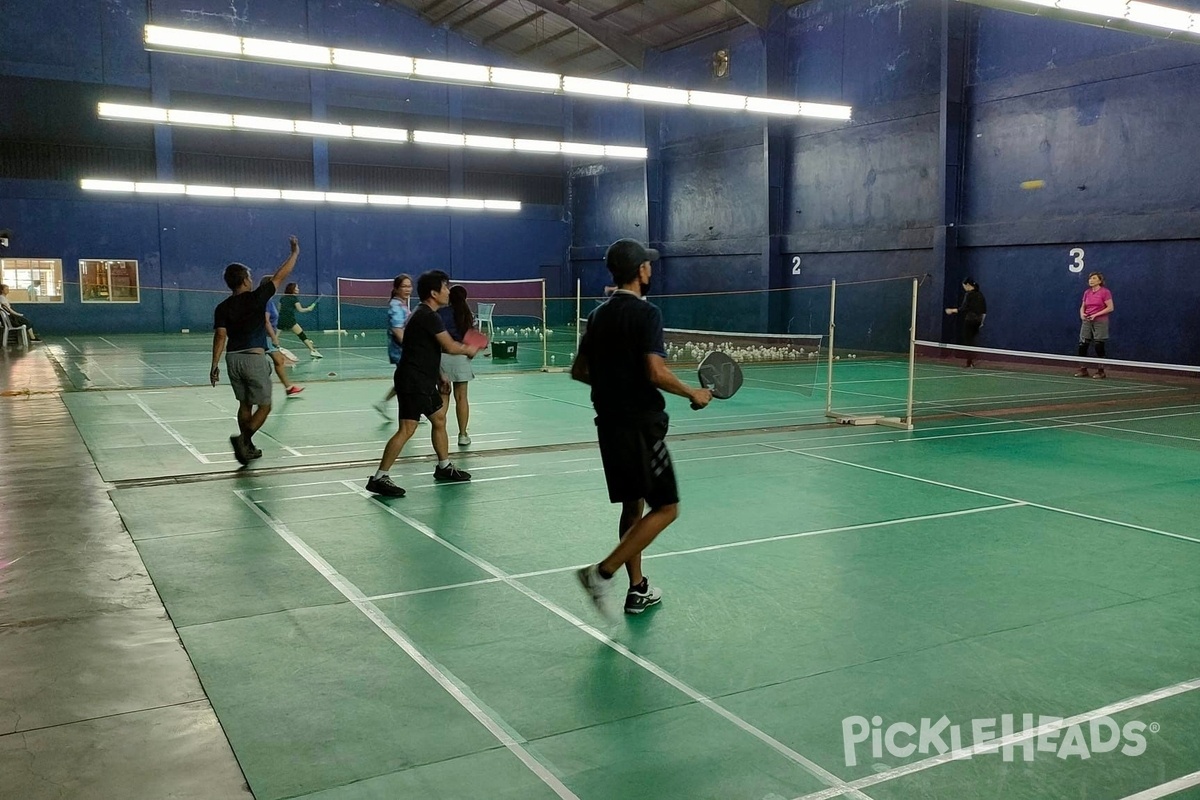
(503, 732)
(170, 378)
(1006, 741)
(710, 548)
(300, 497)
(1169, 788)
(993, 495)
(291, 450)
(203, 459)
(91, 362)
(68, 341)
(110, 344)
(654, 669)
(1109, 427)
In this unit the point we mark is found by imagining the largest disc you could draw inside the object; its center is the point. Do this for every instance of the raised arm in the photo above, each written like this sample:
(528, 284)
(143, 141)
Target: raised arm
(285, 269)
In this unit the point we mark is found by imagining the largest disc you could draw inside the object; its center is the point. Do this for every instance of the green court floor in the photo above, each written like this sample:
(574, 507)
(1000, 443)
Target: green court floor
(1029, 549)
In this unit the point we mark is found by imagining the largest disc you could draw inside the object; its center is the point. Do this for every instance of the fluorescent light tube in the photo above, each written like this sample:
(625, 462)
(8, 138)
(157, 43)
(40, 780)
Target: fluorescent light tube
(732, 102)
(140, 113)
(594, 87)
(436, 137)
(380, 134)
(286, 51)
(210, 191)
(824, 110)
(159, 188)
(452, 70)
(250, 123)
(181, 38)
(766, 105)
(94, 185)
(489, 142)
(526, 78)
(538, 146)
(257, 194)
(313, 128)
(658, 94)
(372, 62)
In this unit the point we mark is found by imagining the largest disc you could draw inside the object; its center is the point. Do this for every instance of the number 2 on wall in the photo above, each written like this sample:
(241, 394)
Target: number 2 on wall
(1077, 264)
(795, 265)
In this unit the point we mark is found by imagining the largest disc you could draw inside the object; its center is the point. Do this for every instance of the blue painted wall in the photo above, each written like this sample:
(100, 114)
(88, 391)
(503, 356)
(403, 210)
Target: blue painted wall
(67, 63)
(1105, 118)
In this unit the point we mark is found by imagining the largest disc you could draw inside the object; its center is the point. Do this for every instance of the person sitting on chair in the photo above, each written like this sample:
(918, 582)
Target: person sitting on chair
(17, 320)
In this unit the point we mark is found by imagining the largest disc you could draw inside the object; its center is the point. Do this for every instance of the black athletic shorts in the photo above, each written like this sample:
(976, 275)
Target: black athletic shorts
(637, 465)
(414, 405)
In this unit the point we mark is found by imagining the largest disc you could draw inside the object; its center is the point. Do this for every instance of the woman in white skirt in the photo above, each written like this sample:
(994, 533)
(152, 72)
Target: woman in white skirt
(456, 369)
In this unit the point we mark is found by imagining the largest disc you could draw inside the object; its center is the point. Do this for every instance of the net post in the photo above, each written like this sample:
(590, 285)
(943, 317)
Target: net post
(912, 355)
(578, 310)
(829, 356)
(545, 355)
(337, 282)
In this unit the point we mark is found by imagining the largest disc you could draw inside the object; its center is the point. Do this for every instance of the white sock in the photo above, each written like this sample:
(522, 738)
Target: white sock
(443, 464)
(380, 474)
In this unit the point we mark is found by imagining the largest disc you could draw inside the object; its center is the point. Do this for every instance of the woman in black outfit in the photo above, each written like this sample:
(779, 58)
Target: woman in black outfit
(973, 309)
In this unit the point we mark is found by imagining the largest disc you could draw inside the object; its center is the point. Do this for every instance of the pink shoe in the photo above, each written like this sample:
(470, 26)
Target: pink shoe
(294, 390)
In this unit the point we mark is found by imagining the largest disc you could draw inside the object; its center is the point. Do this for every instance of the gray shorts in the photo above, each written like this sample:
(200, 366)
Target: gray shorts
(457, 368)
(250, 375)
(1093, 330)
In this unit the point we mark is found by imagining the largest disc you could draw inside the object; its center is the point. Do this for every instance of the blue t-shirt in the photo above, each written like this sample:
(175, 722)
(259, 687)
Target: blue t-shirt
(398, 315)
(273, 314)
(450, 323)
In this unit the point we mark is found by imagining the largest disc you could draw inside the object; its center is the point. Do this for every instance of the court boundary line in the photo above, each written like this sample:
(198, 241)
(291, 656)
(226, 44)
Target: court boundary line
(1020, 425)
(456, 688)
(706, 548)
(1168, 788)
(1030, 503)
(814, 769)
(993, 745)
(174, 434)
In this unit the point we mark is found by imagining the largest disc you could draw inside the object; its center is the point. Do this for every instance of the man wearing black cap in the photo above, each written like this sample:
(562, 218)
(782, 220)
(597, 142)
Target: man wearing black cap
(623, 358)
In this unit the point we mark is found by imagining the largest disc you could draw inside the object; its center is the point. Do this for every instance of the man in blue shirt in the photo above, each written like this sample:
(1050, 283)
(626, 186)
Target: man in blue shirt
(240, 331)
(623, 358)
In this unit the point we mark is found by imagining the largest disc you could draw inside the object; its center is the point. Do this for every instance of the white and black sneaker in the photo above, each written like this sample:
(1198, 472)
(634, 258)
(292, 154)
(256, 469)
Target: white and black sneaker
(599, 589)
(641, 597)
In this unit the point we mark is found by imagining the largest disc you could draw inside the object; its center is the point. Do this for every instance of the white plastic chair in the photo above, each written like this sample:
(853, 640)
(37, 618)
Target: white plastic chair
(484, 315)
(21, 331)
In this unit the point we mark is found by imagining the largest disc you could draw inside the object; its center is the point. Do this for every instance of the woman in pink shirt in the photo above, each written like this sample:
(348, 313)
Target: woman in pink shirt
(1097, 305)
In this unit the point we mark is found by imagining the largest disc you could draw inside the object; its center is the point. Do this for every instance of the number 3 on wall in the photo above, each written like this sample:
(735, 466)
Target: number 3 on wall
(795, 265)
(1077, 264)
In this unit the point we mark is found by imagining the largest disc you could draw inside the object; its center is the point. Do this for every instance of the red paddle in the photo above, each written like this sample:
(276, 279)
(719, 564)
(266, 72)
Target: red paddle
(475, 338)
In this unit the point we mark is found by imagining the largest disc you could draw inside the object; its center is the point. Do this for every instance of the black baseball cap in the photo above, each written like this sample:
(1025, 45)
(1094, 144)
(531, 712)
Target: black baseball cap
(624, 256)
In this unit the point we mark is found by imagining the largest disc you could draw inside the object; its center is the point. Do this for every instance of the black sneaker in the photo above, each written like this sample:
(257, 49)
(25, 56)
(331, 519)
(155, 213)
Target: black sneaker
(253, 453)
(450, 473)
(384, 486)
(639, 598)
(239, 449)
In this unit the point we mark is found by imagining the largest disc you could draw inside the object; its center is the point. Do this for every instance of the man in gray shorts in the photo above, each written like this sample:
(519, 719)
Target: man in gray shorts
(239, 327)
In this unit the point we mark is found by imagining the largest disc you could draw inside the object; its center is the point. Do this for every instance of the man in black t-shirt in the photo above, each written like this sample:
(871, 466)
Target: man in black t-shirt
(240, 330)
(623, 357)
(418, 383)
